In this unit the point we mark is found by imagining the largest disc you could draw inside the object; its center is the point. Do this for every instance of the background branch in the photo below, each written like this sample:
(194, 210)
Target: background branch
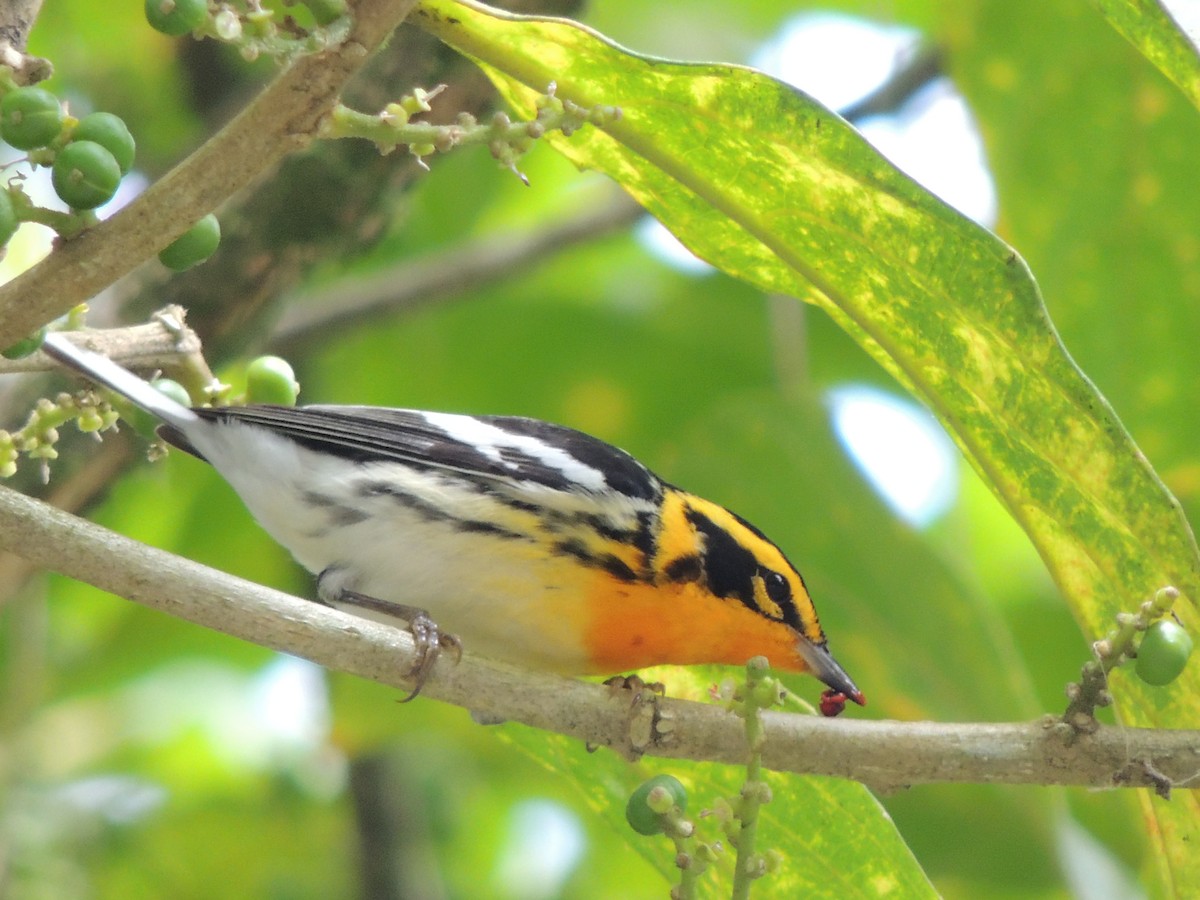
(881, 754)
(444, 274)
(920, 67)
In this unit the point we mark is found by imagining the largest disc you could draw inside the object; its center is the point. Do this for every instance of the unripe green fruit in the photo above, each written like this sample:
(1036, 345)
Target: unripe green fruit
(640, 816)
(142, 421)
(26, 346)
(270, 379)
(1163, 652)
(111, 133)
(30, 117)
(8, 217)
(172, 389)
(194, 246)
(175, 17)
(85, 175)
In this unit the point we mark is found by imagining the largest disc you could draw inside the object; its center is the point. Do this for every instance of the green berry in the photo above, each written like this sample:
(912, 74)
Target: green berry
(8, 217)
(640, 816)
(270, 379)
(175, 17)
(111, 133)
(172, 389)
(30, 117)
(85, 175)
(194, 246)
(142, 421)
(25, 346)
(1163, 653)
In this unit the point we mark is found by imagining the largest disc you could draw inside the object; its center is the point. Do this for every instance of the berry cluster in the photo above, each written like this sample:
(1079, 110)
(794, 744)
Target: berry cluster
(37, 437)
(87, 157)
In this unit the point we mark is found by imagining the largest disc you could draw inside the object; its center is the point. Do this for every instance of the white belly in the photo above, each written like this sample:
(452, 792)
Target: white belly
(396, 534)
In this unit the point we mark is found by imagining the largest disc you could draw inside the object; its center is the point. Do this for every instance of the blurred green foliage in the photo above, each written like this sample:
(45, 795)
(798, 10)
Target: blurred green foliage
(1092, 151)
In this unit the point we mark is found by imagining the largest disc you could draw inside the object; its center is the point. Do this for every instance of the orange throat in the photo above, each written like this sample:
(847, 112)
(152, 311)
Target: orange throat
(634, 625)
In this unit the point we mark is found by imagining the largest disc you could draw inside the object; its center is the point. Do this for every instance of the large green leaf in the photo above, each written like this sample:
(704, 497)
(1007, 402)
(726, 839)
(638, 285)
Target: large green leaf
(835, 839)
(768, 185)
(1094, 180)
(1150, 28)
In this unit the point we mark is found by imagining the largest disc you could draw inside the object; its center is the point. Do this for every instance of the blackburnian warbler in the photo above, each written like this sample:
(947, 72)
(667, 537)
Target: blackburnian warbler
(534, 543)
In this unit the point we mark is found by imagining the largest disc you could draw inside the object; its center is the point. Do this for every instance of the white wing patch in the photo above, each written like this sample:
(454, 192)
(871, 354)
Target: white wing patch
(490, 440)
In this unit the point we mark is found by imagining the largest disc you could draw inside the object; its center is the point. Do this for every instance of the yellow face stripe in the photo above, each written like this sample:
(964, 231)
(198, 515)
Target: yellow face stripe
(676, 537)
(763, 600)
(733, 560)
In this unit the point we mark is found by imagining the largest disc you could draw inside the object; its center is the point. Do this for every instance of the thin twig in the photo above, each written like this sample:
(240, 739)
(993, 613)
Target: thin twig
(918, 69)
(16, 21)
(451, 272)
(880, 754)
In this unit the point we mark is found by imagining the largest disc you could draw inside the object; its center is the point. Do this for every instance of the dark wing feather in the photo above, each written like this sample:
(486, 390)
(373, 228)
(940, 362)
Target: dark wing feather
(369, 433)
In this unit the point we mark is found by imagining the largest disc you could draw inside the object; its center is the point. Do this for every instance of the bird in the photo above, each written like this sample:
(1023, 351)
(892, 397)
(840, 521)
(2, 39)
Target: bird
(522, 540)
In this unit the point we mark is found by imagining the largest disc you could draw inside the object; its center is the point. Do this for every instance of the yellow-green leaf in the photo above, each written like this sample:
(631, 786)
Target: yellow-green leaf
(765, 183)
(1150, 28)
(835, 838)
(1133, 311)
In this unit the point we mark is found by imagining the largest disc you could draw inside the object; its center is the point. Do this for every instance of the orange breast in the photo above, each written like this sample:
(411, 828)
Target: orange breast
(634, 625)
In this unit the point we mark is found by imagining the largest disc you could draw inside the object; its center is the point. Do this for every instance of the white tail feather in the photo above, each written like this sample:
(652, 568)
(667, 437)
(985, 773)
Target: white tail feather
(104, 371)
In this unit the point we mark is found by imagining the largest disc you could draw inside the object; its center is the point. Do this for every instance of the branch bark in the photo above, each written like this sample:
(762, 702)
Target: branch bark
(882, 754)
(147, 347)
(16, 21)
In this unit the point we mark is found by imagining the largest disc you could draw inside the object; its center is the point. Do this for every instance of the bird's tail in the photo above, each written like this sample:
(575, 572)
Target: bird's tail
(104, 371)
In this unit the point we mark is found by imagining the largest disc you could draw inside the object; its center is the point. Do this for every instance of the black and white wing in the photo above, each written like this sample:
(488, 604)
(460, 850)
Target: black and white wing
(501, 448)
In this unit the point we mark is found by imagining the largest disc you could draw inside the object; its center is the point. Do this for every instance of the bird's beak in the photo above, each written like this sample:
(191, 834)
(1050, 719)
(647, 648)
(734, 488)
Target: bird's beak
(822, 664)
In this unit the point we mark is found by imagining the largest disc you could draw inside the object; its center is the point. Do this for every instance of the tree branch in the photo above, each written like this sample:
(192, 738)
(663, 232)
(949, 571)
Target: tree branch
(881, 754)
(920, 67)
(282, 118)
(148, 347)
(442, 275)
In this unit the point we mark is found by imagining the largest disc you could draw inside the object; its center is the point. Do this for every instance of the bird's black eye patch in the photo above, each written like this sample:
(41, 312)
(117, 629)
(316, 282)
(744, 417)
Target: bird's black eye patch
(728, 566)
(777, 588)
(685, 568)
